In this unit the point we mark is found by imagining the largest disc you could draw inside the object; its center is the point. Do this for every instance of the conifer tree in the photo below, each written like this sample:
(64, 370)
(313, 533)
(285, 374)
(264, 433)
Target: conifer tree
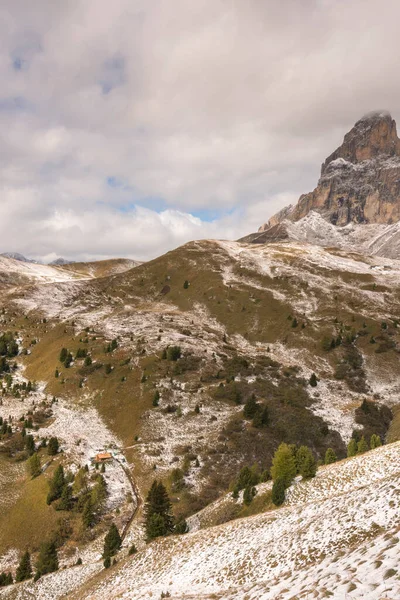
(156, 398)
(5, 579)
(181, 527)
(283, 464)
(250, 408)
(65, 502)
(362, 446)
(248, 495)
(24, 570)
(88, 518)
(313, 381)
(261, 418)
(247, 477)
(112, 542)
(99, 492)
(53, 446)
(375, 441)
(352, 448)
(158, 517)
(56, 485)
(47, 560)
(34, 465)
(330, 456)
(29, 444)
(305, 462)
(63, 354)
(278, 491)
(68, 360)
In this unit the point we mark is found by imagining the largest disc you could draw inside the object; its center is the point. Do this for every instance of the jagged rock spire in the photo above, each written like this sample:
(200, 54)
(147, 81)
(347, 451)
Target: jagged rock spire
(360, 181)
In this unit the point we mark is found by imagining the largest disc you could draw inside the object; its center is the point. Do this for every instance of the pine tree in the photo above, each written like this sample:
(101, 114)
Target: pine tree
(250, 408)
(99, 492)
(107, 562)
(248, 495)
(63, 354)
(247, 477)
(88, 518)
(158, 517)
(156, 398)
(283, 464)
(313, 381)
(24, 570)
(48, 560)
(5, 579)
(68, 360)
(330, 456)
(294, 322)
(186, 285)
(53, 446)
(352, 448)
(56, 485)
(278, 491)
(362, 446)
(65, 502)
(29, 444)
(181, 527)
(375, 441)
(112, 542)
(306, 465)
(261, 418)
(174, 352)
(34, 466)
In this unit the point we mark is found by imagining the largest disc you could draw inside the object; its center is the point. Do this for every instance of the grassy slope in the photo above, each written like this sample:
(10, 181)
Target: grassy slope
(240, 299)
(337, 529)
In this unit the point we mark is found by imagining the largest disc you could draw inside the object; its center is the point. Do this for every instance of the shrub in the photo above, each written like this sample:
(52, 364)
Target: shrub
(174, 353)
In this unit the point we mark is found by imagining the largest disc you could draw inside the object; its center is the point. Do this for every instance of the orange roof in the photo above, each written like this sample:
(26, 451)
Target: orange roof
(103, 456)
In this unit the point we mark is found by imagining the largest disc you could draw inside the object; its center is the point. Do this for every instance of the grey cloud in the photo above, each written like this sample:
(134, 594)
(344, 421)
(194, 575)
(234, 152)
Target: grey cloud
(200, 105)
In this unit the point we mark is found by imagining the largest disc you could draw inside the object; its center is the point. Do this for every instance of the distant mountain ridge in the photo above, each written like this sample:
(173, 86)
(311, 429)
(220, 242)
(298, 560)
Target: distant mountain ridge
(17, 256)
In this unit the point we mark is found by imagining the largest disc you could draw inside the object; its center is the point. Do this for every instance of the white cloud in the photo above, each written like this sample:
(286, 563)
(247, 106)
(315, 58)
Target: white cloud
(228, 107)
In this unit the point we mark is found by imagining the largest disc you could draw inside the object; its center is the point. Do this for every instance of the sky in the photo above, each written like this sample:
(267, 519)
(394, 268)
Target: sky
(129, 127)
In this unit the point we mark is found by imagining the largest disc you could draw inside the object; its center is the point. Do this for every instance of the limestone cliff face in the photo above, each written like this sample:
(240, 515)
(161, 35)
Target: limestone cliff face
(360, 181)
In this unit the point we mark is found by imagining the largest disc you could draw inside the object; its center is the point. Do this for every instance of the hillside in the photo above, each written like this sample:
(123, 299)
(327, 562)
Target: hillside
(343, 525)
(247, 320)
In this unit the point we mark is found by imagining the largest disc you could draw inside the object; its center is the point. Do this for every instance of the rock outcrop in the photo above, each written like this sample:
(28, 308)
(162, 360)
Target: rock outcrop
(360, 181)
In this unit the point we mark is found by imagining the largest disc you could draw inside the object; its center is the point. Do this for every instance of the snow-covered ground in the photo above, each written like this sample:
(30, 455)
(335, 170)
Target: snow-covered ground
(35, 271)
(336, 537)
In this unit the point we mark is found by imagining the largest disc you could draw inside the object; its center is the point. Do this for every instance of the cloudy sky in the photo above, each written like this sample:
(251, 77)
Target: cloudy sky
(129, 127)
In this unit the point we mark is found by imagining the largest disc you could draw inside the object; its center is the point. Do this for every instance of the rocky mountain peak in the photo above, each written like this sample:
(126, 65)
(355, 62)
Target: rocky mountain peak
(373, 135)
(360, 181)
